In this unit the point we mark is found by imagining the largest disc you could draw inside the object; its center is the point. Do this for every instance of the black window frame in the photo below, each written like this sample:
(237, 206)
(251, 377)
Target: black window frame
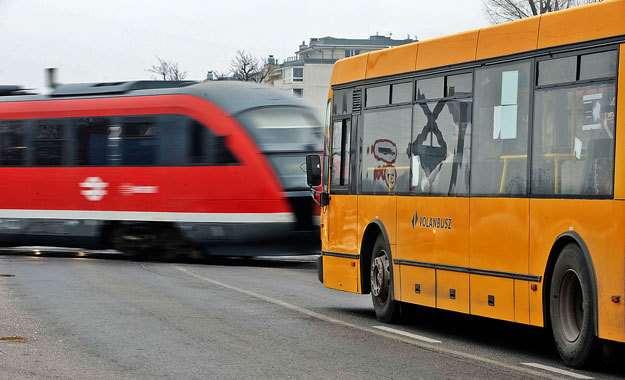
(346, 188)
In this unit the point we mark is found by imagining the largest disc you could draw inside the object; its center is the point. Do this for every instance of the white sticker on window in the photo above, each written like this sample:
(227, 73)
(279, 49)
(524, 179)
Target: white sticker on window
(509, 87)
(416, 171)
(578, 148)
(505, 122)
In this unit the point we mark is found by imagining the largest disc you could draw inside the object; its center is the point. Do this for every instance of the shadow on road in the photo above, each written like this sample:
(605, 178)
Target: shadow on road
(259, 256)
(498, 335)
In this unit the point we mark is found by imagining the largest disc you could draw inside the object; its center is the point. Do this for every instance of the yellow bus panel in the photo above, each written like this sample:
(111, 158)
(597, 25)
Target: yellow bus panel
(342, 224)
(402, 59)
(499, 234)
(378, 208)
(585, 23)
(350, 69)
(492, 297)
(522, 301)
(595, 222)
(341, 274)
(418, 285)
(419, 241)
(445, 51)
(495, 41)
(452, 291)
(416, 244)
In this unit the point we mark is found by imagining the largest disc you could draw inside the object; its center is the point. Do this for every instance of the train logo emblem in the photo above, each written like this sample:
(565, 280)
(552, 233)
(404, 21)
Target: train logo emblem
(93, 188)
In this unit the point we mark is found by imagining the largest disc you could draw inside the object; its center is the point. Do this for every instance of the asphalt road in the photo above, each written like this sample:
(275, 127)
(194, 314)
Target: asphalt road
(106, 316)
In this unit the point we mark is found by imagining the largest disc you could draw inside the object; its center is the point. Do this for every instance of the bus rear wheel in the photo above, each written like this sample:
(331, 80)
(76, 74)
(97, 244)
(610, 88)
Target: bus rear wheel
(572, 308)
(386, 308)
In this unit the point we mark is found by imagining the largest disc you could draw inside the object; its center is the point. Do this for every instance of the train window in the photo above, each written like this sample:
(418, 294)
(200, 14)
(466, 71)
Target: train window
(283, 128)
(48, 142)
(93, 140)
(12, 147)
(205, 147)
(138, 140)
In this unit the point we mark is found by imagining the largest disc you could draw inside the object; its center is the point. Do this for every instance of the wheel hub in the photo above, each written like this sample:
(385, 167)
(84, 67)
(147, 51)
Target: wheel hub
(380, 275)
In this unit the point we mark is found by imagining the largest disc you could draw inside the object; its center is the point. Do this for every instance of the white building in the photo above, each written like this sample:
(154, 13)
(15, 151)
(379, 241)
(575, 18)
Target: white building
(307, 74)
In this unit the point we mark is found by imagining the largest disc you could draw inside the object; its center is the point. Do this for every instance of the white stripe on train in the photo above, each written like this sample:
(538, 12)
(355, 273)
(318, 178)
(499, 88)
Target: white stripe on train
(191, 217)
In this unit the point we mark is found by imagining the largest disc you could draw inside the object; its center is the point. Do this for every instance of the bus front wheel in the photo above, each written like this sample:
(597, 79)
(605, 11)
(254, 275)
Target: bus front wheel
(386, 308)
(572, 308)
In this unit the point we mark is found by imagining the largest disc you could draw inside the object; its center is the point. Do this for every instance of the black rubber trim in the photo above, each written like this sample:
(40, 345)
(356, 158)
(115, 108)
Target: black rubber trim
(483, 272)
(320, 269)
(341, 255)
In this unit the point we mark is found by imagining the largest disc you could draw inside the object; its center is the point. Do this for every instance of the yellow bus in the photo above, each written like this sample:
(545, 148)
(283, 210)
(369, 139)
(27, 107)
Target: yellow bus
(484, 173)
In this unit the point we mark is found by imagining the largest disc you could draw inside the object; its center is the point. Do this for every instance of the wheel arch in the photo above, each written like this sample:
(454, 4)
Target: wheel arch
(371, 232)
(569, 237)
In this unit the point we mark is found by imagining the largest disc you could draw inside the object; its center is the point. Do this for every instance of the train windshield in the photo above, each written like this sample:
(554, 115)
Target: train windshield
(284, 128)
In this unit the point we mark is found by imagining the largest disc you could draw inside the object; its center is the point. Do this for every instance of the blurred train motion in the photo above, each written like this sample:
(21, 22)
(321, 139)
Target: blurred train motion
(149, 166)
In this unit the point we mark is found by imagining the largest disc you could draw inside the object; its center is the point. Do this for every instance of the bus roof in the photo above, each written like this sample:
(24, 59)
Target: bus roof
(575, 25)
(232, 96)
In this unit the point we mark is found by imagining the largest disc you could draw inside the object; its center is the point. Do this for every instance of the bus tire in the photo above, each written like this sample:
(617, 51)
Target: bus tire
(572, 308)
(386, 308)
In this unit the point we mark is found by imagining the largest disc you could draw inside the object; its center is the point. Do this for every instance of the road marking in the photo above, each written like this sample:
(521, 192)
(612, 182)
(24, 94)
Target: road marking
(409, 335)
(404, 339)
(557, 370)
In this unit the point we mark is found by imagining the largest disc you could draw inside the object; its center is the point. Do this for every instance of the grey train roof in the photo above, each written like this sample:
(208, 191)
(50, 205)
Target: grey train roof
(232, 96)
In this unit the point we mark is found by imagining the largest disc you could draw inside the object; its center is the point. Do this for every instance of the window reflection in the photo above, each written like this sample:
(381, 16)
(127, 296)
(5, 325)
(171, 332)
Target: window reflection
(441, 147)
(385, 163)
(573, 148)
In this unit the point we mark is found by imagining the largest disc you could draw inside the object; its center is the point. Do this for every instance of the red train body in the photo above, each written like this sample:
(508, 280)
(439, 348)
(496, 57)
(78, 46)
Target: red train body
(143, 167)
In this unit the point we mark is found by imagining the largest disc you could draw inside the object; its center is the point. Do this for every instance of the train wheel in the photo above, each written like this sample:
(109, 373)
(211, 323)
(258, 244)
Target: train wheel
(572, 308)
(386, 308)
(135, 239)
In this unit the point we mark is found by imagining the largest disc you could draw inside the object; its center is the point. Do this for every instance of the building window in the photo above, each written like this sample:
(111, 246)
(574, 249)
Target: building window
(298, 74)
(351, 52)
(299, 92)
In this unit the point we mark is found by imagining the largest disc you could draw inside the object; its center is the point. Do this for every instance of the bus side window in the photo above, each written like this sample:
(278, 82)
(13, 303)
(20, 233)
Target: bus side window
(340, 157)
(500, 131)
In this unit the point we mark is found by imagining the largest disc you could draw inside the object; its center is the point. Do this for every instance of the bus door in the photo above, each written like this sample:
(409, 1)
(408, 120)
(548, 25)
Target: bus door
(499, 186)
(343, 208)
(340, 251)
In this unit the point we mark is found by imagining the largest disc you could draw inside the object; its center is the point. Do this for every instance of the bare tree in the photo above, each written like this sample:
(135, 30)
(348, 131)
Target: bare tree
(246, 67)
(167, 70)
(507, 10)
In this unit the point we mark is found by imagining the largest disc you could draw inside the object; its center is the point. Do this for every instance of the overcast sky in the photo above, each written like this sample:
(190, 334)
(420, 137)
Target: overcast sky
(106, 40)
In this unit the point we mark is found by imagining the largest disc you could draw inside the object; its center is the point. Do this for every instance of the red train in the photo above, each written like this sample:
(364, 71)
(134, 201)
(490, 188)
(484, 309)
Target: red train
(142, 166)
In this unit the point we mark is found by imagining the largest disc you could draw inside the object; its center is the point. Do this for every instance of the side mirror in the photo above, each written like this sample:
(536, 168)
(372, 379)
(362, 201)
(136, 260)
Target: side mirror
(313, 170)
